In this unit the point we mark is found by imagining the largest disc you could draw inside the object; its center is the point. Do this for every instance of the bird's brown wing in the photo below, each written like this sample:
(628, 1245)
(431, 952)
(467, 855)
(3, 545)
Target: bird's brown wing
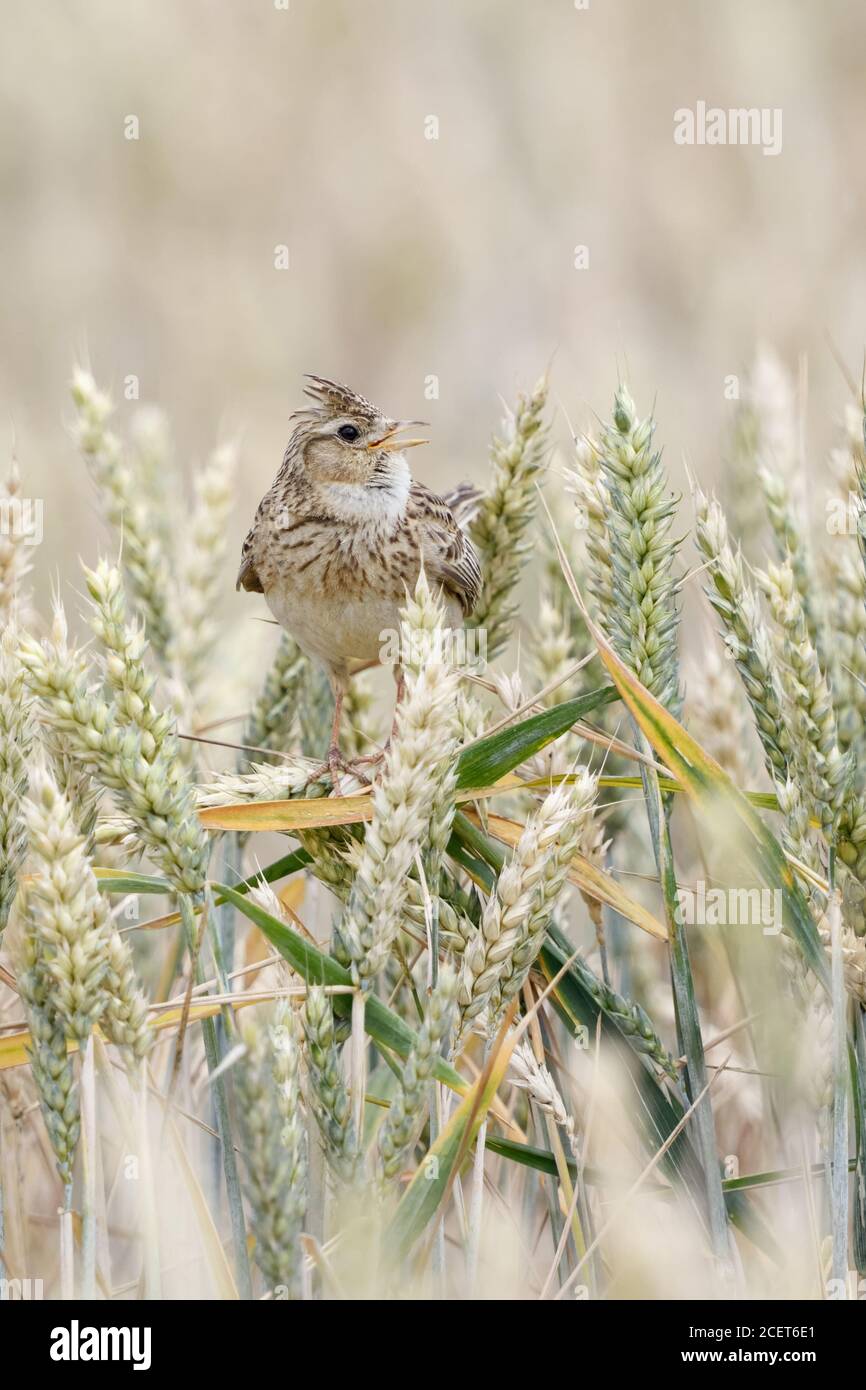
(248, 575)
(463, 501)
(449, 556)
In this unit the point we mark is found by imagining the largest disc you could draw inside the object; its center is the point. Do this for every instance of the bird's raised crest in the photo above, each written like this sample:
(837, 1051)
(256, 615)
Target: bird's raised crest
(333, 399)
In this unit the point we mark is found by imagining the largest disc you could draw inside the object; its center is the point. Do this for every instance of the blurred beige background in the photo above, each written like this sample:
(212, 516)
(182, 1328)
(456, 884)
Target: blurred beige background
(412, 257)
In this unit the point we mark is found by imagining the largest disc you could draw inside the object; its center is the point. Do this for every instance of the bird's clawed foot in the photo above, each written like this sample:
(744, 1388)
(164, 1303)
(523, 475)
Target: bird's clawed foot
(372, 759)
(338, 765)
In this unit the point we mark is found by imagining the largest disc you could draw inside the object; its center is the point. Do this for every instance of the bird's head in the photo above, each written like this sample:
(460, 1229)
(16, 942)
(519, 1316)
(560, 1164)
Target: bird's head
(345, 439)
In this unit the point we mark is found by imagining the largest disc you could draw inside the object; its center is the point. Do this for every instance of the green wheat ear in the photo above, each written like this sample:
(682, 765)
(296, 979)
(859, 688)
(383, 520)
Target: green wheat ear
(500, 528)
(642, 620)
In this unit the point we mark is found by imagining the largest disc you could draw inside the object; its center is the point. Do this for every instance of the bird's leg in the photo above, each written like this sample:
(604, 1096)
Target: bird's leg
(401, 690)
(336, 762)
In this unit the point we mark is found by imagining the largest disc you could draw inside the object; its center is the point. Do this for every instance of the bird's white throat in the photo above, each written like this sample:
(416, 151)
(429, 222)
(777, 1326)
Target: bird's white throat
(380, 506)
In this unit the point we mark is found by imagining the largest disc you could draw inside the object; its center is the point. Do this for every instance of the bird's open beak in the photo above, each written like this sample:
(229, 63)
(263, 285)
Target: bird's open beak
(387, 443)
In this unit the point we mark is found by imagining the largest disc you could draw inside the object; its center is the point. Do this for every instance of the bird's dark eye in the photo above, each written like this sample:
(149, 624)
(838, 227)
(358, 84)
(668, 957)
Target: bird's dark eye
(348, 432)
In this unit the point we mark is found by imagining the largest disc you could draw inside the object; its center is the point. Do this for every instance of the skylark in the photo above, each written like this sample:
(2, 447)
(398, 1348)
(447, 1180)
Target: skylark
(340, 537)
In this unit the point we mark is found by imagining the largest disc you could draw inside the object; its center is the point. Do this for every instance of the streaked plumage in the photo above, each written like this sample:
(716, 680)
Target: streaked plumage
(340, 536)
